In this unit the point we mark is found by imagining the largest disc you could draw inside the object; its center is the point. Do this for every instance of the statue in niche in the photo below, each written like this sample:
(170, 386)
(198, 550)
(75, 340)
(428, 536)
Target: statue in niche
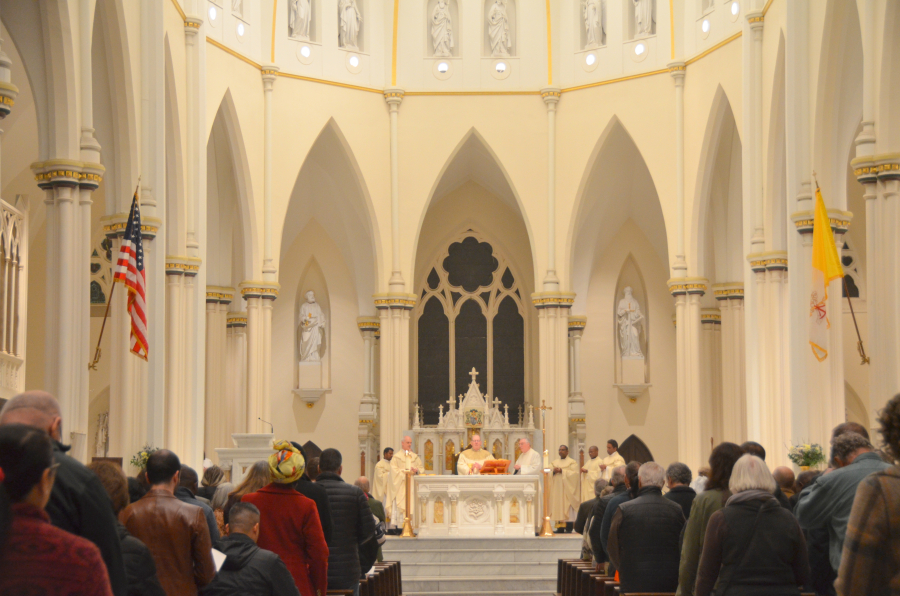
(299, 16)
(350, 22)
(237, 7)
(594, 23)
(643, 17)
(498, 29)
(629, 317)
(312, 329)
(441, 29)
(101, 440)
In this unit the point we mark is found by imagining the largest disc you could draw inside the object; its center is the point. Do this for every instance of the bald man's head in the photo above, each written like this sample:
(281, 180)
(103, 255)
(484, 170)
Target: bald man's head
(37, 409)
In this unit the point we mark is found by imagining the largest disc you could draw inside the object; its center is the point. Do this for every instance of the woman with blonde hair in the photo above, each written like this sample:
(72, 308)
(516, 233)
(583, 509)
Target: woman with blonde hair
(257, 477)
(213, 476)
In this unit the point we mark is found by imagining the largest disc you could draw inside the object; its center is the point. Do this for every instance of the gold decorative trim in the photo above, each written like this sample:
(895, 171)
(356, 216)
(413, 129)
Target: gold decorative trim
(288, 75)
(228, 50)
(551, 93)
(577, 419)
(274, 20)
(682, 67)
(618, 80)
(261, 289)
(440, 93)
(766, 7)
(405, 301)
(756, 19)
(394, 44)
(687, 285)
(192, 25)
(178, 9)
(269, 72)
(367, 422)
(551, 299)
(549, 47)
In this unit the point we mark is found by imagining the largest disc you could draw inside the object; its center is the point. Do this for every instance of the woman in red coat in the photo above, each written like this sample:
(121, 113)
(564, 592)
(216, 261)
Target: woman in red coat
(289, 523)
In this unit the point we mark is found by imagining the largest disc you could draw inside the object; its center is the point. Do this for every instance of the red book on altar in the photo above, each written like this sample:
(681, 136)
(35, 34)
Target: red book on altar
(495, 466)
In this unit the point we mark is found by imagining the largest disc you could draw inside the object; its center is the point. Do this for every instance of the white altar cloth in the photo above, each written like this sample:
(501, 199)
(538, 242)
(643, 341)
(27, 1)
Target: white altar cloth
(493, 505)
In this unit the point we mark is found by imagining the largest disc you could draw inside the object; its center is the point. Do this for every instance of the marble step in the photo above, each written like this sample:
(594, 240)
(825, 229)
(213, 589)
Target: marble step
(394, 544)
(475, 570)
(494, 593)
(509, 584)
(474, 555)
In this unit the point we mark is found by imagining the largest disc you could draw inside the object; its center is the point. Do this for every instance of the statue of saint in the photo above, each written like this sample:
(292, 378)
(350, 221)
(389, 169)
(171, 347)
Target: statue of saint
(643, 17)
(498, 29)
(629, 316)
(312, 329)
(441, 29)
(349, 21)
(237, 7)
(299, 16)
(594, 22)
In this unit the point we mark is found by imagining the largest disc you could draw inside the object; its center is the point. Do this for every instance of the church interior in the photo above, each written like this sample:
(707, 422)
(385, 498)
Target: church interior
(353, 210)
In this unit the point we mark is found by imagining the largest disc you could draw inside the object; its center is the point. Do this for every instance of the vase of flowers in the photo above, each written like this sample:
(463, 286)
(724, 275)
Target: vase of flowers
(807, 455)
(139, 459)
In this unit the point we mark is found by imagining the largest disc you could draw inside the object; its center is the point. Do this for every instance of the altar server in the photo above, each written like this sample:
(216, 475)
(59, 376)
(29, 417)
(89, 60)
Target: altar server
(381, 485)
(403, 461)
(590, 473)
(564, 488)
(612, 461)
(471, 460)
(529, 461)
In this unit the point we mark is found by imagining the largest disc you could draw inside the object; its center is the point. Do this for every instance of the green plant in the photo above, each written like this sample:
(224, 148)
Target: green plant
(139, 459)
(807, 454)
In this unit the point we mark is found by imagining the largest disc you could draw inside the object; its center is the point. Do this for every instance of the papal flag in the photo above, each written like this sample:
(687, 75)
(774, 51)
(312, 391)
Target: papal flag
(826, 266)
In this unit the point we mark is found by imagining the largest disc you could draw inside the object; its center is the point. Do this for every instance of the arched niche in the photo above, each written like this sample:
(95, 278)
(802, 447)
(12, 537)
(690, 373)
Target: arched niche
(642, 9)
(362, 6)
(493, 6)
(630, 276)
(456, 24)
(776, 206)
(593, 12)
(303, 20)
(855, 408)
(176, 206)
(313, 279)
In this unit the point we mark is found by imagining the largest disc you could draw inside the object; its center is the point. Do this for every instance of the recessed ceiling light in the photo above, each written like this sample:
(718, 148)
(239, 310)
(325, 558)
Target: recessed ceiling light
(354, 61)
(501, 67)
(240, 29)
(443, 67)
(735, 8)
(305, 51)
(705, 25)
(213, 13)
(639, 49)
(590, 59)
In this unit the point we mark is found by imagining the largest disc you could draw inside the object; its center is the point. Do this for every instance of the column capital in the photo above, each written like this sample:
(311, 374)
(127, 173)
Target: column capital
(219, 295)
(869, 169)
(577, 323)
(8, 94)
(551, 96)
(756, 20)
(677, 69)
(114, 225)
(840, 221)
(236, 320)
(368, 324)
(710, 315)
(394, 301)
(192, 25)
(773, 260)
(728, 291)
(259, 289)
(67, 172)
(680, 286)
(269, 74)
(393, 96)
(542, 300)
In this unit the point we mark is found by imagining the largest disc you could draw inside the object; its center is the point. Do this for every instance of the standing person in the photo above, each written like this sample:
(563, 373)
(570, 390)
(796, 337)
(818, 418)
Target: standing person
(218, 504)
(377, 508)
(78, 503)
(828, 499)
(752, 546)
(186, 492)
(713, 497)
(564, 489)
(754, 448)
(403, 461)
(632, 486)
(618, 487)
(612, 460)
(870, 561)
(354, 524)
(678, 480)
(471, 460)
(529, 462)
(381, 483)
(784, 478)
(311, 490)
(213, 476)
(249, 569)
(590, 473)
(257, 477)
(645, 536)
(36, 557)
(585, 510)
(289, 522)
(139, 566)
(176, 533)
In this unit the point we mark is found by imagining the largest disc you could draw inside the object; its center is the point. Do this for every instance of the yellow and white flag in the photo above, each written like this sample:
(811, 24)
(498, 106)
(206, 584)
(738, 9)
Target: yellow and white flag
(826, 266)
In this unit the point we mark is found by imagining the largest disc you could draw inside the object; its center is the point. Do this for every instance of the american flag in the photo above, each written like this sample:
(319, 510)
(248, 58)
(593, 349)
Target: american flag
(130, 271)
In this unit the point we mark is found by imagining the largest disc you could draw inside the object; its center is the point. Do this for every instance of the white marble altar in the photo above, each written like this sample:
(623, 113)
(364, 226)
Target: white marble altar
(248, 449)
(497, 505)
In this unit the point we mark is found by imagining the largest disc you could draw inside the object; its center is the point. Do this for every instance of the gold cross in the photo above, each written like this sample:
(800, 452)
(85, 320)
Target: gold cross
(543, 406)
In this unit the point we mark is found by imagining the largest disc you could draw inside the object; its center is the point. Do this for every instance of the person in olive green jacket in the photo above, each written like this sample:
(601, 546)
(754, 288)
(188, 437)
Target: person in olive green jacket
(721, 461)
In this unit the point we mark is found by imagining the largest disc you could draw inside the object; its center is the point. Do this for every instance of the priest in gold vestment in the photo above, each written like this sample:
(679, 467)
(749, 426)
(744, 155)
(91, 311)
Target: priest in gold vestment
(590, 473)
(612, 461)
(402, 461)
(564, 495)
(381, 483)
(471, 460)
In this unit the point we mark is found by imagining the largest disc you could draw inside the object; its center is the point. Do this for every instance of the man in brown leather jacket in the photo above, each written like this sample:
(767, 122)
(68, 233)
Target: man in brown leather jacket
(175, 532)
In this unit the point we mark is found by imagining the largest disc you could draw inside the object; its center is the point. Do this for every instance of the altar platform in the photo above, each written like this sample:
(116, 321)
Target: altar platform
(460, 566)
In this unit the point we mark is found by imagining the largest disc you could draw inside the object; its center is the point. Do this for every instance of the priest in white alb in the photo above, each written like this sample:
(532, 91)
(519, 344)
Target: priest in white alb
(529, 462)
(590, 473)
(381, 483)
(612, 460)
(403, 461)
(471, 460)
(564, 494)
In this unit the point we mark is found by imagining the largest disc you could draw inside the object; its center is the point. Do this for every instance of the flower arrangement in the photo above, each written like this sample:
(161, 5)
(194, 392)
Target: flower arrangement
(139, 459)
(807, 455)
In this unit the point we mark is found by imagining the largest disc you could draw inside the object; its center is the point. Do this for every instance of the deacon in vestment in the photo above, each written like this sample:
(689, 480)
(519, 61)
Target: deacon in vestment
(590, 473)
(529, 461)
(564, 488)
(381, 485)
(471, 460)
(612, 461)
(402, 461)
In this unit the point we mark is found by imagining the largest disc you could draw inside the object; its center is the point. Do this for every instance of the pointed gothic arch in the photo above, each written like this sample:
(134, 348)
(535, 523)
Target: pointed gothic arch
(889, 114)
(776, 171)
(176, 206)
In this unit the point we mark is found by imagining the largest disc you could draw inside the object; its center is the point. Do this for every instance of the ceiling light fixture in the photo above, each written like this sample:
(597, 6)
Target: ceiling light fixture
(639, 49)
(240, 29)
(705, 25)
(443, 67)
(590, 59)
(501, 67)
(354, 61)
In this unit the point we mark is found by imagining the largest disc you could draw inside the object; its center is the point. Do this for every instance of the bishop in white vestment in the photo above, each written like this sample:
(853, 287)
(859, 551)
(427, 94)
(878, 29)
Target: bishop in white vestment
(403, 461)
(590, 473)
(612, 461)
(471, 460)
(530, 461)
(564, 487)
(381, 483)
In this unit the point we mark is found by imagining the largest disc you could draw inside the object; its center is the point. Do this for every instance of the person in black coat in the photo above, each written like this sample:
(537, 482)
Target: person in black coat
(186, 492)
(678, 480)
(586, 509)
(311, 490)
(617, 480)
(78, 504)
(754, 448)
(248, 570)
(354, 524)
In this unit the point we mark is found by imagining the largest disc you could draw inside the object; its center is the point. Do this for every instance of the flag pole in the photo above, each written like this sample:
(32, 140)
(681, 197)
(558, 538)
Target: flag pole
(859, 344)
(93, 364)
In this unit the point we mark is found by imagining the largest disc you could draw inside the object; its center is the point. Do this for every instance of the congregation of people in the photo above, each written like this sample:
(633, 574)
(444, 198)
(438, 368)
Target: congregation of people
(292, 525)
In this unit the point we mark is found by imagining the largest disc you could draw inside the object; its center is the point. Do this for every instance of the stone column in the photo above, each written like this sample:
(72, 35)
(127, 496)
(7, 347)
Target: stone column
(269, 74)
(259, 297)
(553, 354)
(368, 405)
(216, 420)
(577, 427)
(236, 373)
(194, 412)
(551, 97)
(176, 369)
(394, 96)
(677, 70)
(730, 298)
(394, 414)
(687, 292)
(711, 379)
